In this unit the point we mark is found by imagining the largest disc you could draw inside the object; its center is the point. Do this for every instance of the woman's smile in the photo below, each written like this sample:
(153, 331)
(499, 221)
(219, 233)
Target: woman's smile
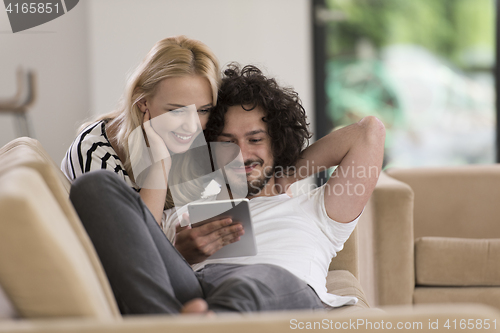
(182, 138)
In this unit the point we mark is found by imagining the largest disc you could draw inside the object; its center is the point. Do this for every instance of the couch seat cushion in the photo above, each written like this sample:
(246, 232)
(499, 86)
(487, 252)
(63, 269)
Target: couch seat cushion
(441, 261)
(446, 295)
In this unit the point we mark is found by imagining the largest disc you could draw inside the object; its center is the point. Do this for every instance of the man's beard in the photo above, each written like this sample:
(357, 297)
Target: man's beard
(255, 186)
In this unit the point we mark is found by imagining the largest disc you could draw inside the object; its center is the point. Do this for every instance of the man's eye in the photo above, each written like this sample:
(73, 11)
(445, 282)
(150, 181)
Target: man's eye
(255, 140)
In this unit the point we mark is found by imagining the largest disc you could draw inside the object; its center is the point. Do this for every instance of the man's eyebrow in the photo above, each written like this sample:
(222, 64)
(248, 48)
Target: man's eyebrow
(254, 132)
(246, 134)
(181, 106)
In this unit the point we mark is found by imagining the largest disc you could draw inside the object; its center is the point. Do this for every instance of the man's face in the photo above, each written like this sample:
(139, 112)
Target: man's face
(247, 130)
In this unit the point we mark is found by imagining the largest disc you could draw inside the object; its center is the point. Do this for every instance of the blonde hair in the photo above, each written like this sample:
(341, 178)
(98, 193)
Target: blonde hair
(170, 57)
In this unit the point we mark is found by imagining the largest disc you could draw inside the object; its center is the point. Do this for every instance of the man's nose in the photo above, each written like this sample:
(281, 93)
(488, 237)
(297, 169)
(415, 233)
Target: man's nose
(246, 151)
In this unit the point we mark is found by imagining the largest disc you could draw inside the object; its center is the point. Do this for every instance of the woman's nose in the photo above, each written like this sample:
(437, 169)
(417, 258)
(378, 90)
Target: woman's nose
(192, 122)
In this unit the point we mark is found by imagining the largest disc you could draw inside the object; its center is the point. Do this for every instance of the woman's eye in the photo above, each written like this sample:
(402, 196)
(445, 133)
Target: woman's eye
(176, 111)
(255, 140)
(204, 111)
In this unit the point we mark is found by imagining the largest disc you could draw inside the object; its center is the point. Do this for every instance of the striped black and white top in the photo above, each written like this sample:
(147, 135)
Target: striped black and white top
(91, 150)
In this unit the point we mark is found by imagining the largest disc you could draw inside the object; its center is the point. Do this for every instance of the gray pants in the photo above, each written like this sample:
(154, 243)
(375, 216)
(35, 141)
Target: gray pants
(149, 276)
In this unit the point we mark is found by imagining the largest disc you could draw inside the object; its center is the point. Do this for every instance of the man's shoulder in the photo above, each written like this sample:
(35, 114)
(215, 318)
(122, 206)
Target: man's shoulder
(303, 202)
(310, 193)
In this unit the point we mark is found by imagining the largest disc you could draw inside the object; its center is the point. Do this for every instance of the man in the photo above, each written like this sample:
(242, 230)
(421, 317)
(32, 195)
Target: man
(299, 234)
(288, 134)
(296, 237)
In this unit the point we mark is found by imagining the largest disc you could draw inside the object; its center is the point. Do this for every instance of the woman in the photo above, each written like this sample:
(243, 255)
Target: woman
(177, 79)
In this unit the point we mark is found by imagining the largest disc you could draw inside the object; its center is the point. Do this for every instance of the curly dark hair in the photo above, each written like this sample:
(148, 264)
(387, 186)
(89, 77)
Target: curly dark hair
(284, 114)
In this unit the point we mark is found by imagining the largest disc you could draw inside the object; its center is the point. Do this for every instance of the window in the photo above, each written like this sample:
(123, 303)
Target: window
(425, 68)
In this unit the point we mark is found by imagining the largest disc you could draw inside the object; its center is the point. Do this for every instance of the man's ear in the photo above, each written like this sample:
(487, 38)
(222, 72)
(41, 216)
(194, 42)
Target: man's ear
(142, 105)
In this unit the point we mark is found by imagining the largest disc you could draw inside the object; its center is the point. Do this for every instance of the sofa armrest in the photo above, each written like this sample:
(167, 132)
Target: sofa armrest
(343, 283)
(348, 258)
(386, 244)
(407, 319)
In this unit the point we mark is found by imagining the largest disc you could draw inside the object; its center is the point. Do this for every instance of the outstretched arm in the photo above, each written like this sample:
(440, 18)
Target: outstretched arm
(359, 153)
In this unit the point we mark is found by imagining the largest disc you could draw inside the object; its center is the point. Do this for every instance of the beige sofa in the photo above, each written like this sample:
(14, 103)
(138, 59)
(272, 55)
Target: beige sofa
(439, 240)
(54, 282)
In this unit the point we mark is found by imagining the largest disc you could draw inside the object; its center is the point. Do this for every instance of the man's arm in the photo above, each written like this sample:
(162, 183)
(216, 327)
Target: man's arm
(358, 150)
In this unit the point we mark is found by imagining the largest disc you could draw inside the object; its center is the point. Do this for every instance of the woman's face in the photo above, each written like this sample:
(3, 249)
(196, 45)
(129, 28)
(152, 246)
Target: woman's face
(181, 106)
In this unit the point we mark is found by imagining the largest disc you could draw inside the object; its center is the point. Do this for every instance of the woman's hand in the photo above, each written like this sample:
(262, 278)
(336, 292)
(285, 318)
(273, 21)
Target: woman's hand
(198, 243)
(154, 141)
(155, 182)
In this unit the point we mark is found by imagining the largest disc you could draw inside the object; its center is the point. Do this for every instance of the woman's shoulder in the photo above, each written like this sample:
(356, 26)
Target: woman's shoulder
(92, 134)
(96, 128)
(91, 146)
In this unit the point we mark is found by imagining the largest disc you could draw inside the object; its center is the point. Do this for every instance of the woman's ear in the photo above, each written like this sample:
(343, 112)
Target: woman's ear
(142, 104)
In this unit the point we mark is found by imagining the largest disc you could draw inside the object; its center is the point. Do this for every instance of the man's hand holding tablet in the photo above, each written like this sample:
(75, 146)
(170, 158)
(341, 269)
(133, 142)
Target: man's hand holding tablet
(234, 212)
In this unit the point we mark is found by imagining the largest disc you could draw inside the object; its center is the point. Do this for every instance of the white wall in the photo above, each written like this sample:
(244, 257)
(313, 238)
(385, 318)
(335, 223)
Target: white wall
(83, 57)
(57, 51)
(272, 34)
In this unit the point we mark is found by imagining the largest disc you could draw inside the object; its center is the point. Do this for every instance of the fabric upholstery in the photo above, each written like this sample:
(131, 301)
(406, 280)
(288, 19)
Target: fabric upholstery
(442, 295)
(43, 267)
(446, 203)
(347, 259)
(386, 235)
(442, 261)
(454, 201)
(343, 283)
(7, 310)
(418, 319)
(27, 152)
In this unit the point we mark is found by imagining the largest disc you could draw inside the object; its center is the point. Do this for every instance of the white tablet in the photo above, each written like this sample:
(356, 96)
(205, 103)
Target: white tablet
(239, 210)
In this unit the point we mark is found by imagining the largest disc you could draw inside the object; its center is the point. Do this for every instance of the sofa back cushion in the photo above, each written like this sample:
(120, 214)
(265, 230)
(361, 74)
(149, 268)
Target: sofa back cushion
(451, 262)
(27, 152)
(457, 202)
(44, 269)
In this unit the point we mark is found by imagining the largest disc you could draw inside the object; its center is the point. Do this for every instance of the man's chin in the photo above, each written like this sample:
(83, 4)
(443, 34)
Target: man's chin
(255, 186)
(252, 191)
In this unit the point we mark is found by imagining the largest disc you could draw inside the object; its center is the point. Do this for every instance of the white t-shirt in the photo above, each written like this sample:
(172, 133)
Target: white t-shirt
(295, 234)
